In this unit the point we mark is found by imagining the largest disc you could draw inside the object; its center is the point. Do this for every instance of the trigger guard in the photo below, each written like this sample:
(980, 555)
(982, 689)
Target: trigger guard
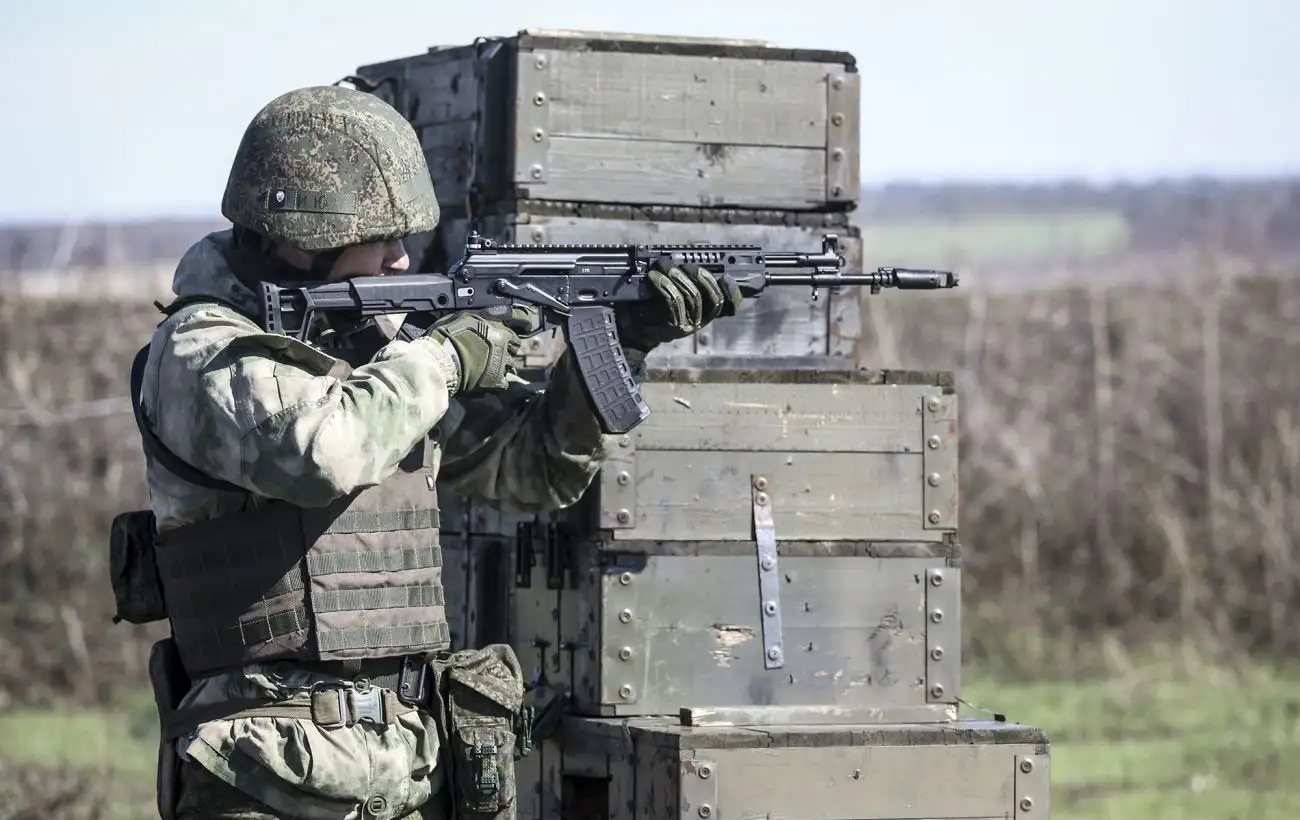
(504, 314)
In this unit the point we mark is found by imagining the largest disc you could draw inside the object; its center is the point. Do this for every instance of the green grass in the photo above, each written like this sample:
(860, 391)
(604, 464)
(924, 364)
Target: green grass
(116, 749)
(1163, 742)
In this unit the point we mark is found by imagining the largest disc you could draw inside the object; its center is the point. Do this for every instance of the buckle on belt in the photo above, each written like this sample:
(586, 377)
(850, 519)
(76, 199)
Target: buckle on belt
(338, 705)
(413, 681)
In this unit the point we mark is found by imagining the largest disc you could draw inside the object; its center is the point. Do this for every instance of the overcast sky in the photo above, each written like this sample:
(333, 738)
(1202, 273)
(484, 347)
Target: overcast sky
(133, 108)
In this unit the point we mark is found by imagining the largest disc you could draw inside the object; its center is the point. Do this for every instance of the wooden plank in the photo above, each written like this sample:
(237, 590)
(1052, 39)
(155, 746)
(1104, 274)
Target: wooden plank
(948, 550)
(812, 715)
(443, 89)
(781, 322)
(667, 732)
(465, 515)
(714, 47)
(449, 152)
(792, 418)
(704, 495)
(853, 631)
(680, 173)
(684, 99)
(869, 782)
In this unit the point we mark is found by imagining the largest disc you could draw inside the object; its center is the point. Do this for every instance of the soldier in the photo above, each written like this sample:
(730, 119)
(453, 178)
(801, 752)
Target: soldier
(293, 485)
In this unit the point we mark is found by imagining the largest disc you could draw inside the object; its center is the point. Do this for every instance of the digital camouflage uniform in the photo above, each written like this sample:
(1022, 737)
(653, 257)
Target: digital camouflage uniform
(275, 419)
(225, 416)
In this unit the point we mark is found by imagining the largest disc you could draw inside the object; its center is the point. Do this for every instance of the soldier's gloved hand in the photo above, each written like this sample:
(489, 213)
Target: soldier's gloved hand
(687, 298)
(483, 350)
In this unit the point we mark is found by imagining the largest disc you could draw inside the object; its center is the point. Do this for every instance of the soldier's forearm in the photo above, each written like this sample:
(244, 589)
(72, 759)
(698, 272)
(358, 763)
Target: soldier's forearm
(353, 435)
(287, 431)
(537, 451)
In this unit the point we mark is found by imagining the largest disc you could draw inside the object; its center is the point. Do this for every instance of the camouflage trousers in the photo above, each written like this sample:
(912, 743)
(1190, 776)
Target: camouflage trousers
(204, 796)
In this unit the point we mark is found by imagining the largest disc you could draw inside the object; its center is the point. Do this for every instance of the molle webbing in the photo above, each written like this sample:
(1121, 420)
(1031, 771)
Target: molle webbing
(360, 578)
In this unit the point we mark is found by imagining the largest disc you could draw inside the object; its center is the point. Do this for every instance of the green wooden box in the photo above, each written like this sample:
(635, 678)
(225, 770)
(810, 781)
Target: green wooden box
(658, 769)
(768, 538)
(597, 117)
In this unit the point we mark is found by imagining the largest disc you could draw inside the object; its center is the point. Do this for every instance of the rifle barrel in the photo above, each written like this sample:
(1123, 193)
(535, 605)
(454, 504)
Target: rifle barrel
(901, 278)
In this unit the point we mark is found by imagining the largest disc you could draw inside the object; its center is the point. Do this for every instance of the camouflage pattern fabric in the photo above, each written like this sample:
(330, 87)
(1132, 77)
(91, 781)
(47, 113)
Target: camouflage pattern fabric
(208, 797)
(294, 768)
(251, 408)
(326, 167)
(248, 407)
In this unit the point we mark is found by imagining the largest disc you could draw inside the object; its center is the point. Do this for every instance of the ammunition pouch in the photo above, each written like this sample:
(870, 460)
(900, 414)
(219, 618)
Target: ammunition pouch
(477, 702)
(170, 684)
(137, 587)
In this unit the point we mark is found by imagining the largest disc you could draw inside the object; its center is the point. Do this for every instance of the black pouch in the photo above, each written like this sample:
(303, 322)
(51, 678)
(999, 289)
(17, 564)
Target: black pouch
(137, 588)
(170, 684)
(479, 697)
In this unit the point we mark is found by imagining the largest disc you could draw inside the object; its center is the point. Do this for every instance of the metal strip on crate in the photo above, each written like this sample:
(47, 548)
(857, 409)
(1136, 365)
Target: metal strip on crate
(1033, 788)
(943, 635)
(939, 493)
(843, 90)
(769, 589)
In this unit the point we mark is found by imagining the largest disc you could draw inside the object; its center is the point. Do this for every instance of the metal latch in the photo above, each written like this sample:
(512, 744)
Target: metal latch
(769, 589)
(532, 537)
(526, 536)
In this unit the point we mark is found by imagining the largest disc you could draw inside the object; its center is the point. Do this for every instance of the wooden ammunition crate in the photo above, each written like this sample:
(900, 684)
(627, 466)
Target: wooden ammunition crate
(571, 116)
(767, 538)
(655, 768)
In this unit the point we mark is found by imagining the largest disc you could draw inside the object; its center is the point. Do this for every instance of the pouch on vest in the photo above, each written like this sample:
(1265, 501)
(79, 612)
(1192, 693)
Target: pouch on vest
(479, 697)
(170, 685)
(136, 586)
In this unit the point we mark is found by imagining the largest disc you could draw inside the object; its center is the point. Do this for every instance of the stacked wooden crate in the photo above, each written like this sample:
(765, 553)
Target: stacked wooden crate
(570, 137)
(755, 610)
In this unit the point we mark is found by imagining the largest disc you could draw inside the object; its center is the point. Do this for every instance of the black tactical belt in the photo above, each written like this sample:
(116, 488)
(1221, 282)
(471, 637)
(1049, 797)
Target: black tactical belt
(406, 674)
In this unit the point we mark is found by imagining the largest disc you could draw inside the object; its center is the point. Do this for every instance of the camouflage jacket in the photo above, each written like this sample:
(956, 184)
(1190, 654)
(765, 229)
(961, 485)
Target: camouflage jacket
(218, 399)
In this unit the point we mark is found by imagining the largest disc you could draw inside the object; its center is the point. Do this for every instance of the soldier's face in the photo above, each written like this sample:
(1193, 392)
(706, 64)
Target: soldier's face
(372, 259)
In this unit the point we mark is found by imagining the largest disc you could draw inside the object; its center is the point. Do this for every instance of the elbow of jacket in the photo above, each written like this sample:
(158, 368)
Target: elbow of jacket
(319, 483)
(567, 484)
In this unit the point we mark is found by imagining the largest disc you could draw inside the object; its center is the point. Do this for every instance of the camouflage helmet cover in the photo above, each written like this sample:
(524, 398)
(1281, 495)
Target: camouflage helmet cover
(325, 167)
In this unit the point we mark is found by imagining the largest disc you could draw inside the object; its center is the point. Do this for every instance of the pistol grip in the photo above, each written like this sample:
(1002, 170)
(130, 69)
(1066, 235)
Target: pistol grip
(605, 373)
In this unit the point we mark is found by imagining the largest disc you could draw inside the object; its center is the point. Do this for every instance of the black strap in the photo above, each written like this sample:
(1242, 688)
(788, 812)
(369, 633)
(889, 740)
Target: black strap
(156, 448)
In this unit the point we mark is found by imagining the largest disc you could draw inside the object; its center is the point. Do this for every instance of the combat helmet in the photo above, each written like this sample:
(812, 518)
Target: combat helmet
(326, 167)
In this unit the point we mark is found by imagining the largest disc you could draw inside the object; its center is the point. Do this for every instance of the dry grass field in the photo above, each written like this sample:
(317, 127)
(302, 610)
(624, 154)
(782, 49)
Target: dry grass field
(1131, 455)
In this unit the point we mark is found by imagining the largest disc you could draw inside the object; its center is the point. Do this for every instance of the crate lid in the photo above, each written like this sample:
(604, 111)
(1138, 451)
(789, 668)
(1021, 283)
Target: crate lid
(581, 34)
(659, 44)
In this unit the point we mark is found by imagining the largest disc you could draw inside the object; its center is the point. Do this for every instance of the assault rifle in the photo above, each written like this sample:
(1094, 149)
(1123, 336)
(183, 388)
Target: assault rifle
(577, 287)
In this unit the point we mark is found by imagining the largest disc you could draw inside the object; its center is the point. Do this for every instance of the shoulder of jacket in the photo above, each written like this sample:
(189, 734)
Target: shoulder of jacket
(186, 307)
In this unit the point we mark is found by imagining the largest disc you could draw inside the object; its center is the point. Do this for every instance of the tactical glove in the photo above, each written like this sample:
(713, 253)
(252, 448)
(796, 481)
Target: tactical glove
(687, 298)
(483, 350)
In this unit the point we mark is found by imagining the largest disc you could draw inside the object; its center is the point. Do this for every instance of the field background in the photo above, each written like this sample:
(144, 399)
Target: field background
(1128, 361)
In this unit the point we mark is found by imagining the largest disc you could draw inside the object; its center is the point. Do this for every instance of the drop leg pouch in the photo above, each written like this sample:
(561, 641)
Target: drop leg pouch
(477, 700)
